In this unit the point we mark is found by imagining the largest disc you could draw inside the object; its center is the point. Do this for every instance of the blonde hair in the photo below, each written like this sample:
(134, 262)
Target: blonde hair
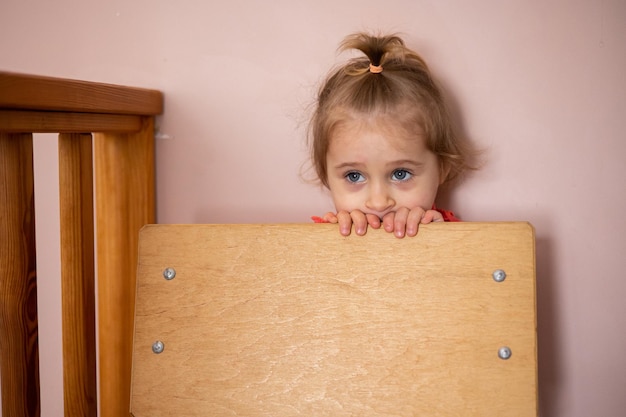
(390, 77)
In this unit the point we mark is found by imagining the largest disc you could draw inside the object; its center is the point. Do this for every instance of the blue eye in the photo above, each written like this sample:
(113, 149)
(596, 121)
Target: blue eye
(354, 177)
(401, 175)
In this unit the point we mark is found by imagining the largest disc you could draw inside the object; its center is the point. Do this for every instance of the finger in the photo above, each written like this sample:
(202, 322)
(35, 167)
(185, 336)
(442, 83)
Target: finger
(399, 222)
(345, 223)
(330, 217)
(360, 222)
(388, 221)
(413, 221)
(432, 216)
(373, 220)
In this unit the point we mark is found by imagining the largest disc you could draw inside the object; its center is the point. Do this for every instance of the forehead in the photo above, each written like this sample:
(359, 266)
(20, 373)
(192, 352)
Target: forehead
(384, 133)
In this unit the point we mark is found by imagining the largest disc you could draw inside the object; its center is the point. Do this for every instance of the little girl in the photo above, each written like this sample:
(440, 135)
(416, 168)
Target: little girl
(382, 140)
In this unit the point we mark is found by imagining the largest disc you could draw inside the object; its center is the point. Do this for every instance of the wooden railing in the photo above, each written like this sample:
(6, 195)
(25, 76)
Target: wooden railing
(122, 145)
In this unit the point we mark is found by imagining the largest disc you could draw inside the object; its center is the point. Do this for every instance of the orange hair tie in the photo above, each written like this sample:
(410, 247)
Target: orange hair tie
(376, 69)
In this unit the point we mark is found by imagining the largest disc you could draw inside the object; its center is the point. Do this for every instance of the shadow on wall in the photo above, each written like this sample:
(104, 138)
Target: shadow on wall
(548, 336)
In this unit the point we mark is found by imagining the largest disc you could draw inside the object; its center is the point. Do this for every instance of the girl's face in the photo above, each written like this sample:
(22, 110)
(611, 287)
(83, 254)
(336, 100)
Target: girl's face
(377, 167)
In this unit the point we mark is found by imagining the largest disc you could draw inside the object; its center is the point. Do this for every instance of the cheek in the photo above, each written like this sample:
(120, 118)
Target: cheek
(344, 200)
(414, 200)
(422, 195)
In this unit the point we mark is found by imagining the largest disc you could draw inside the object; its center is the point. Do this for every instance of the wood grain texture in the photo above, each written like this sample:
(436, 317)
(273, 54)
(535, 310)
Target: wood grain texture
(284, 320)
(58, 122)
(77, 275)
(31, 92)
(125, 202)
(19, 351)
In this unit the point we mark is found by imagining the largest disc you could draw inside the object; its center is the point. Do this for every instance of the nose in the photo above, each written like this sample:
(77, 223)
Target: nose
(379, 199)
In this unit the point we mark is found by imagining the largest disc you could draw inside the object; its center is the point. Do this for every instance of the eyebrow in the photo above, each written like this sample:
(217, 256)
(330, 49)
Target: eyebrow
(346, 165)
(400, 162)
(403, 162)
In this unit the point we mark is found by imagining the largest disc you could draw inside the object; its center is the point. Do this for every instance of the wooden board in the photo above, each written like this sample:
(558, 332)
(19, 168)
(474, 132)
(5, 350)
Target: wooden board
(287, 320)
(34, 92)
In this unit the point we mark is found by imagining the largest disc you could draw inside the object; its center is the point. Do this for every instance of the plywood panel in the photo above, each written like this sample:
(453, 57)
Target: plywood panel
(278, 320)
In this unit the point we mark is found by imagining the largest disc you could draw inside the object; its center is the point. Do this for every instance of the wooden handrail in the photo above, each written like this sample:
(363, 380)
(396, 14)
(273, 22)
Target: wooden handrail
(33, 92)
(121, 120)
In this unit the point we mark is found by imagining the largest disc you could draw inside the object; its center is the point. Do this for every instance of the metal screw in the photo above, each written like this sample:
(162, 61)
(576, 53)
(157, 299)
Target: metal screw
(498, 275)
(158, 346)
(504, 352)
(169, 273)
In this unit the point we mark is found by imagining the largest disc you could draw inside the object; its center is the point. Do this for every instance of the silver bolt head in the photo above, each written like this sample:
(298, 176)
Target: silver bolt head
(169, 273)
(158, 347)
(499, 275)
(504, 352)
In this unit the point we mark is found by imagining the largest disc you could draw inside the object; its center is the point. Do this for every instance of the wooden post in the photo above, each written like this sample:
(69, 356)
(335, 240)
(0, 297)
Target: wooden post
(77, 275)
(124, 204)
(19, 362)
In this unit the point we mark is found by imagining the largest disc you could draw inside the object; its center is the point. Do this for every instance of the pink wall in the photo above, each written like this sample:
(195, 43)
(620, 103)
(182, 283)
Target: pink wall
(539, 84)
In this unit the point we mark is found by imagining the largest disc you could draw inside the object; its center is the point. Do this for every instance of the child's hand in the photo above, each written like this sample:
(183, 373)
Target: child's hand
(406, 222)
(402, 222)
(357, 218)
